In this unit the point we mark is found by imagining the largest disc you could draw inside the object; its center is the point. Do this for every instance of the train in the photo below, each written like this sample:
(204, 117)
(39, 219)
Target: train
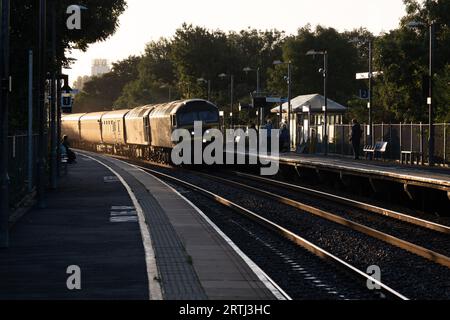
(144, 132)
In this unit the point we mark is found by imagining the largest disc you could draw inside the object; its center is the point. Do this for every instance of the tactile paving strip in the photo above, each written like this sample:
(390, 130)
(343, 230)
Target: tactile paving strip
(178, 278)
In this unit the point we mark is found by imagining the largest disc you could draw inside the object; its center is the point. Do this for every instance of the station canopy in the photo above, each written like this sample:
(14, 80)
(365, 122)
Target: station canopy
(315, 102)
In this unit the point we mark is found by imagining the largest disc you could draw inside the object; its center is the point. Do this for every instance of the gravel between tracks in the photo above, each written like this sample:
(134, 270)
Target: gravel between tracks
(426, 238)
(413, 276)
(301, 274)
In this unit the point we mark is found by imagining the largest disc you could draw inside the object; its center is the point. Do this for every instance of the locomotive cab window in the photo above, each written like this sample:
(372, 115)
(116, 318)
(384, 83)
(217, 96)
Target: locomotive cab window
(174, 121)
(198, 111)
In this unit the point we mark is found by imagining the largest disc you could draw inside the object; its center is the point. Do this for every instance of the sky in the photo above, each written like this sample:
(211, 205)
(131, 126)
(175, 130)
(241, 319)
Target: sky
(147, 20)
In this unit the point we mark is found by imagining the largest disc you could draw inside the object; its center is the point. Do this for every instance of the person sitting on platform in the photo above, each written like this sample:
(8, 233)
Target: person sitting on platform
(71, 156)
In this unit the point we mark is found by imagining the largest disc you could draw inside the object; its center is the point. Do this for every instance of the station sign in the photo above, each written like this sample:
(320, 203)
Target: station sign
(276, 100)
(66, 102)
(364, 94)
(367, 75)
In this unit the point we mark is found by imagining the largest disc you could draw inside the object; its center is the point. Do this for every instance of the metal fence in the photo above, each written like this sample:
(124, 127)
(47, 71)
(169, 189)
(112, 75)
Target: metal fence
(400, 137)
(22, 182)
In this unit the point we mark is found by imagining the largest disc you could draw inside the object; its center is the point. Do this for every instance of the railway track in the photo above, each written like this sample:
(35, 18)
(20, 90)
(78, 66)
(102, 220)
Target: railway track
(344, 256)
(350, 202)
(358, 275)
(426, 231)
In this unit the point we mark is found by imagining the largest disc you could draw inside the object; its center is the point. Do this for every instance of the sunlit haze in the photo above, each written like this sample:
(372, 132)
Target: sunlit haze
(145, 21)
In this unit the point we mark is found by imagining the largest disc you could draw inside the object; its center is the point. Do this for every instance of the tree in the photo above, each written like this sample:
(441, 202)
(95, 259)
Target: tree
(154, 78)
(403, 56)
(99, 21)
(100, 93)
(343, 64)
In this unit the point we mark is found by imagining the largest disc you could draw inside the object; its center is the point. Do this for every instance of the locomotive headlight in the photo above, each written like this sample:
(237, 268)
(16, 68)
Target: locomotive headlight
(193, 133)
(207, 131)
(205, 141)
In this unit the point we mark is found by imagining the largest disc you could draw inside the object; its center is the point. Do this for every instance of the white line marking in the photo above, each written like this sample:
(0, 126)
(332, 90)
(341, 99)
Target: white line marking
(124, 213)
(123, 219)
(152, 269)
(270, 284)
(122, 208)
(111, 179)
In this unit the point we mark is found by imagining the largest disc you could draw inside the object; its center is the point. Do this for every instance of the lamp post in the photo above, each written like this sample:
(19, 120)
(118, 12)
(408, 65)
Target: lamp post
(371, 75)
(324, 72)
(4, 92)
(258, 81)
(432, 35)
(208, 82)
(167, 86)
(258, 87)
(223, 76)
(54, 140)
(42, 146)
(289, 82)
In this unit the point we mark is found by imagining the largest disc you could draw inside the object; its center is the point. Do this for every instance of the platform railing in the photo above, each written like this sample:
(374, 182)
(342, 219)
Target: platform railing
(21, 180)
(411, 137)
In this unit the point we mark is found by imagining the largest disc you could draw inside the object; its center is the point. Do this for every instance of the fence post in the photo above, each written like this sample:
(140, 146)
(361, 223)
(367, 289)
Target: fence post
(390, 141)
(30, 121)
(421, 144)
(412, 137)
(401, 140)
(365, 134)
(445, 143)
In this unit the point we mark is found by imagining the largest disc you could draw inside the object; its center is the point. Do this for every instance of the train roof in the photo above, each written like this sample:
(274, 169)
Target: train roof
(176, 106)
(115, 114)
(72, 117)
(93, 116)
(140, 112)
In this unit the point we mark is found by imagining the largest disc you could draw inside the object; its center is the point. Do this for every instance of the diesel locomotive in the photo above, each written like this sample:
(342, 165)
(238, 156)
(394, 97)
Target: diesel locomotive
(144, 132)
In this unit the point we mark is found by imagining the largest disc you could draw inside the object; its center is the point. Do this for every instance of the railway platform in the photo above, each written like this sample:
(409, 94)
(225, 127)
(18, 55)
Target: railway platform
(112, 231)
(423, 188)
(433, 178)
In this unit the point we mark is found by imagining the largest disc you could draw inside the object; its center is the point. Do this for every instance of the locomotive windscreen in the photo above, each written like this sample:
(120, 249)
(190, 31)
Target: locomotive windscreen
(202, 111)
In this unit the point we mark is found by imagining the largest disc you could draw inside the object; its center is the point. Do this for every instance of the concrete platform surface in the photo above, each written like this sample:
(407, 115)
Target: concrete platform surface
(89, 222)
(188, 249)
(435, 178)
(120, 233)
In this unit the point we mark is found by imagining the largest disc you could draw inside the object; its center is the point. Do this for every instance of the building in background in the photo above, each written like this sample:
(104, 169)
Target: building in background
(99, 67)
(80, 82)
(308, 117)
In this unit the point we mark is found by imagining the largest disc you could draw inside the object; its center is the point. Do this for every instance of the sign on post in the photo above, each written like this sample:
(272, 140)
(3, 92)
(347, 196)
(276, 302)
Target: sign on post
(276, 100)
(364, 94)
(367, 75)
(66, 102)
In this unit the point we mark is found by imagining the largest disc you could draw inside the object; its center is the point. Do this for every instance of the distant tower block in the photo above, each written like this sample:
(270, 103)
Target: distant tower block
(99, 67)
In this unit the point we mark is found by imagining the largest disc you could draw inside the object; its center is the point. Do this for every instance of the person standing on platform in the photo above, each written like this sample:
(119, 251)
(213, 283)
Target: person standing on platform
(269, 128)
(355, 138)
(284, 138)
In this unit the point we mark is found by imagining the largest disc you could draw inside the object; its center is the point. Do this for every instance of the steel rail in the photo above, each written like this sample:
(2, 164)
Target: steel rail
(356, 204)
(405, 245)
(298, 240)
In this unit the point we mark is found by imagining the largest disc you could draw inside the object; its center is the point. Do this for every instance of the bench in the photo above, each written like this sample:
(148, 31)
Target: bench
(411, 157)
(64, 162)
(380, 147)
